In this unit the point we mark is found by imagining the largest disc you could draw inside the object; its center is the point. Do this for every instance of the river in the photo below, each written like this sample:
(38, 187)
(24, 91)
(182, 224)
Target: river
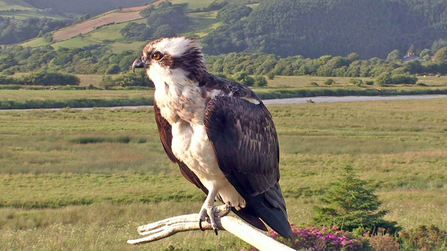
(321, 99)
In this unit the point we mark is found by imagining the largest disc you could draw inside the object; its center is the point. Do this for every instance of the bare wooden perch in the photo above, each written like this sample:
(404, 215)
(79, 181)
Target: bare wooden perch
(165, 228)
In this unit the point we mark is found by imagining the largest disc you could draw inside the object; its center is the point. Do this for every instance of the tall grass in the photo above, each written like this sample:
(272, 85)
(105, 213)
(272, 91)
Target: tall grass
(55, 191)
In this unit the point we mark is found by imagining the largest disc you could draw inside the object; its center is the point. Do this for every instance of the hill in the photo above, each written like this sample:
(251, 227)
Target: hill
(112, 17)
(308, 28)
(333, 27)
(105, 28)
(20, 9)
(15, 4)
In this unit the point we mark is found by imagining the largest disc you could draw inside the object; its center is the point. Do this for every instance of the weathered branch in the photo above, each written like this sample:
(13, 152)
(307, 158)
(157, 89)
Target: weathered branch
(165, 228)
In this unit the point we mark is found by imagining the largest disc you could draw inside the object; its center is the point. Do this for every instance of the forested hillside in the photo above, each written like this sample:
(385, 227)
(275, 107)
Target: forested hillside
(371, 28)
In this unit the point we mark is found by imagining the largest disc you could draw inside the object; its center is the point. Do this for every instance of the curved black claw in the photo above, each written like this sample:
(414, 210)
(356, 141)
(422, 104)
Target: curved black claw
(215, 231)
(200, 225)
(227, 211)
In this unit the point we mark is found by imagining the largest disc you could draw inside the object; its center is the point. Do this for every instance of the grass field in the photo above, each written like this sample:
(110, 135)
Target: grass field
(59, 194)
(279, 87)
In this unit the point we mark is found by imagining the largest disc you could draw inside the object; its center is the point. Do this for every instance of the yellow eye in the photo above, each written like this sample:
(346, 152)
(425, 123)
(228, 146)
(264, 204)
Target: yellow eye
(157, 55)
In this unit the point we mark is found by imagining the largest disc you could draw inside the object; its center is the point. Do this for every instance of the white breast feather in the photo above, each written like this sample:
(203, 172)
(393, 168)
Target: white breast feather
(182, 105)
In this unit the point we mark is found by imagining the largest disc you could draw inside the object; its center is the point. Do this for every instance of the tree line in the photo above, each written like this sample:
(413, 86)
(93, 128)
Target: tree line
(98, 59)
(14, 31)
(327, 65)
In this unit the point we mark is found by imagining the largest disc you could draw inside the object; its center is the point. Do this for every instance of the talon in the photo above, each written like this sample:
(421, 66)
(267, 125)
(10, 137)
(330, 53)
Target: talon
(227, 210)
(200, 225)
(215, 231)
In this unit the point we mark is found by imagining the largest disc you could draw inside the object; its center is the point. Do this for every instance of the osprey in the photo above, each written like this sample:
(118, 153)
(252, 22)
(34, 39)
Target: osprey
(219, 133)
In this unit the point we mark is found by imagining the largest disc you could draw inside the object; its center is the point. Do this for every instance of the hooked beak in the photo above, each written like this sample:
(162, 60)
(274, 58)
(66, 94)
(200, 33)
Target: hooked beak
(140, 62)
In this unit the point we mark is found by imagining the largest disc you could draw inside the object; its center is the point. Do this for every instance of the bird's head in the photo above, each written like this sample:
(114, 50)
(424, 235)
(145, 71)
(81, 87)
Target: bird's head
(175, 59)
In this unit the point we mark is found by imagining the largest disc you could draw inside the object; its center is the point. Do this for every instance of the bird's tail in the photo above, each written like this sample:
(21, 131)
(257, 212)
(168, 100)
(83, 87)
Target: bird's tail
(270, 207)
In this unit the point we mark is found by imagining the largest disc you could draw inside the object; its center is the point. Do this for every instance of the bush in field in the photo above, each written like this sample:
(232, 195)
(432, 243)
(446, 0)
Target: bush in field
(50, 78)
(403, 79)
(329, 81)
(138, 78)
(383, 242)
(356, 81)
(260, 81)
(244, 78)
(5, 80)
(351, 205)
(384, 79)
(423, 238)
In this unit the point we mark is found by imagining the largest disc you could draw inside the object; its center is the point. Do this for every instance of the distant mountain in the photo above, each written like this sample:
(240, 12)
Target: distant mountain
(85, 6)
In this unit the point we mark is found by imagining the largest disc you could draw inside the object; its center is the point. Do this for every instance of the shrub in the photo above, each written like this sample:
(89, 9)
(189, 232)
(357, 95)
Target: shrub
(421, 84)
(383, 242)
(5, 80)
(126, 80)
(384, 79)
(50, 78)
(369, 82)
(356, 81)
(424, 238)
(90, 140)
(271, 75)
(403, 79)
(106, 82)
(329, 81)
(314, 84)
(133, 79)
(260, 81)
(244, 78)
(113, 69)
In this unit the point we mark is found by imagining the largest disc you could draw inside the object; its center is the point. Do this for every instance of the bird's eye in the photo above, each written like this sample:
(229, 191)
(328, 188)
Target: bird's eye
(157, 55)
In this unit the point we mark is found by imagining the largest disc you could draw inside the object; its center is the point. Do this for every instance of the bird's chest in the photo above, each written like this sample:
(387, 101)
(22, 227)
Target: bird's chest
(185, 112)
(181, 105)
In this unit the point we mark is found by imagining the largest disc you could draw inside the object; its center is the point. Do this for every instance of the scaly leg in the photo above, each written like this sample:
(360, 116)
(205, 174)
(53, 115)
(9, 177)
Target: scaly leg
(210, 211)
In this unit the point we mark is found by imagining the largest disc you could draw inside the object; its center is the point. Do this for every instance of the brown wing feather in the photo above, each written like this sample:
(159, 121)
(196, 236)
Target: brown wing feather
(164, 129)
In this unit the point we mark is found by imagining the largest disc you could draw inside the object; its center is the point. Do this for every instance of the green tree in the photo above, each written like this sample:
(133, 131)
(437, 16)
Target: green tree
(164, 30)
(425, 55)
(260, 81)
(441, 55)
(231, 13)
(394, 56)
(351, 205)
(244, 78)
(113, 69)
(384, 79)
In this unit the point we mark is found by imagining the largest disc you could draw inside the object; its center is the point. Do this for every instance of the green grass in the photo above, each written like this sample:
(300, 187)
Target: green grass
(22, 10)
(28, 99)
(279, 87)
(58, 194)
(6, 5)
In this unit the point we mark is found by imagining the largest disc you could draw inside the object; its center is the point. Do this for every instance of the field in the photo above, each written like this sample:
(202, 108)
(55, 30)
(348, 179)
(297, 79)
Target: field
(62, 191)
(105, 28)
(279, 87)
(112, 17)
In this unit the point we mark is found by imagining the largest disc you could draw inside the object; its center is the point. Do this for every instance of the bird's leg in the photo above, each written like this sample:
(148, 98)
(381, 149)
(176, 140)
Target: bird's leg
(210, 211)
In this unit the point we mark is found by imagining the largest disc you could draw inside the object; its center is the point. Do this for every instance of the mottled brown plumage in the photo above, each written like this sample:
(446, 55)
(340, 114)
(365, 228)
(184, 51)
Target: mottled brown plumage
(219, 133)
